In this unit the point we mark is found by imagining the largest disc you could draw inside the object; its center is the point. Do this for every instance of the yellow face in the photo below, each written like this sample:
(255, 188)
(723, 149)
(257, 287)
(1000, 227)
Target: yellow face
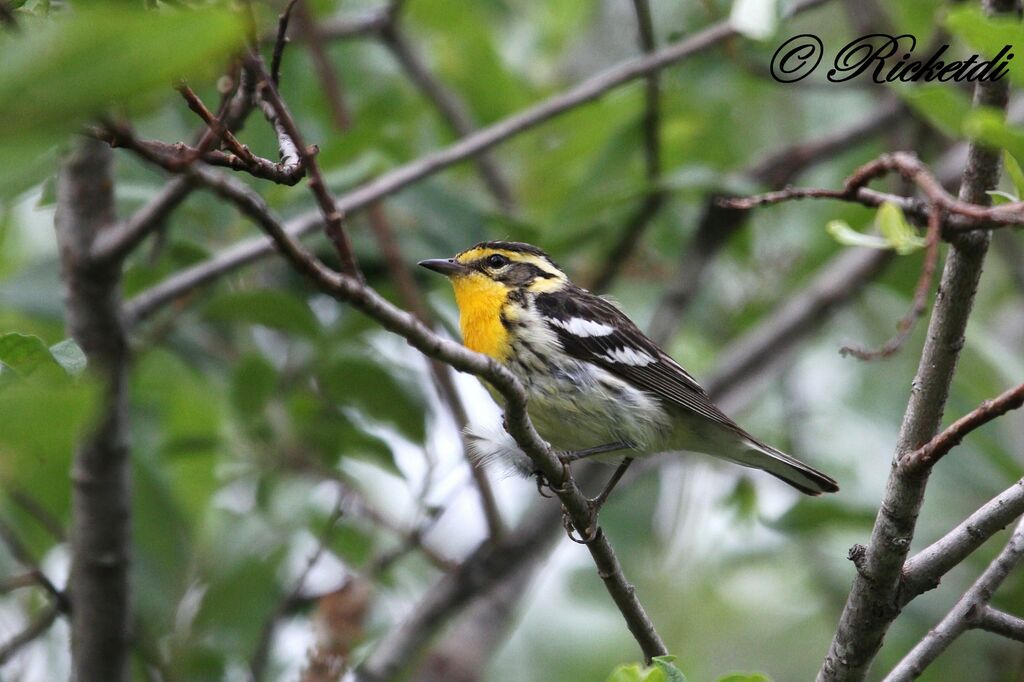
(483, 278)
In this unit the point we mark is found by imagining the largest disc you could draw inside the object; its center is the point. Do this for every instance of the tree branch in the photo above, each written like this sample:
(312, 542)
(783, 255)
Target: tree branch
(330, 79)
(923, 571)
(969, 611)
(998, 622)
(928, 454)
(348, 289)
(452, 109)
(719, 223)
(873, 602)
(101, 497)
(249, 251)
(281, 118)
(655, 195)
(117, 241)
(35, 629)
(837, 282)
(410, 296)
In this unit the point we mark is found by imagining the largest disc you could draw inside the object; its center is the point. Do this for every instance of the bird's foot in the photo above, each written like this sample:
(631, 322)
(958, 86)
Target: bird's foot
(588, 534)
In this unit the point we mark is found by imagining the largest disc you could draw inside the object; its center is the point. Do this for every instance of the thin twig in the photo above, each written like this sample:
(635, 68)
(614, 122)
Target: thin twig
(654, 195)
(249, 251)
(177, 156)
(280, 40)
(964, 614)
(35, 629)
(330, 79)
(354, 292)
(410, 296)
(925, 570)
(912, 170)
(216, 127)
(928, 454)
(452, 109)
(282, 119)
(261, 654)
(717, 224)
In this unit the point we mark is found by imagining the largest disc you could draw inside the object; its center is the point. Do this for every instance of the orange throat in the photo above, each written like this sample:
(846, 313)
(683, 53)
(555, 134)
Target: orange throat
(480, 301)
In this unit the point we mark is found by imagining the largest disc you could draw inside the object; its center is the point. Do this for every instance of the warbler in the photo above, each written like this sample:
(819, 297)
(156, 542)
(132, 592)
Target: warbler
(594, 381)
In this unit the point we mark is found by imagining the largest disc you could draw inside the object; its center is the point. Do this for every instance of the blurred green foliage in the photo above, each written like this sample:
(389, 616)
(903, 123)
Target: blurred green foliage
(255, 399)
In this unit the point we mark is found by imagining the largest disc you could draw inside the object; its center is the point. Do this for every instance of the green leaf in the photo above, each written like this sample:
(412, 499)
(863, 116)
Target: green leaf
(329, 433)
(806, 516)
(663, 670)
(1000, 197)
(252, 384)
(989, 126)
(24, 353)
(369, 387)
(40, 421)
(81, 63)
(1014, 171)
(744, 677)
(897, 231)
(846, 235)
(944, 106)
(268, 307)
(632, 672)
(666, 664)
(69, 355)
(989, 35)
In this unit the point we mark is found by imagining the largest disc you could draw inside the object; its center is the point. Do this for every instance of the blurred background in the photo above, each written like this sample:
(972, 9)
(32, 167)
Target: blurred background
(299, 483)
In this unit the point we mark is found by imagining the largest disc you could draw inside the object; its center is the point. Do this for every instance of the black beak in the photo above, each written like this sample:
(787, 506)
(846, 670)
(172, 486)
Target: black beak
(445, 266)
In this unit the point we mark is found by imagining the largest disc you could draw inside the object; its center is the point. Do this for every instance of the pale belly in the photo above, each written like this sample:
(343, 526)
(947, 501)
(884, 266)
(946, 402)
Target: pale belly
(576, 406)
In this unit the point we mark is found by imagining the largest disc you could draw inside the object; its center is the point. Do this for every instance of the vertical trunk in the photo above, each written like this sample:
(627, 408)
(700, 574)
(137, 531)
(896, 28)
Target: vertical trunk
(101, 515)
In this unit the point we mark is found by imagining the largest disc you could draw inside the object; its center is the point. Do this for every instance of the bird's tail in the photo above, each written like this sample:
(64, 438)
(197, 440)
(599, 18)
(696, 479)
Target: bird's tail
(804, 478)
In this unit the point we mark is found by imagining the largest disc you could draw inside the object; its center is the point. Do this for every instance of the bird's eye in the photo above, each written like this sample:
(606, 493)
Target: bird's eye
(497, 261)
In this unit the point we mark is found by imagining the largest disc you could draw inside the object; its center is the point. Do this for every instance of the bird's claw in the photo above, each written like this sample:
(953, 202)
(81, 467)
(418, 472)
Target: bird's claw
(542, 483)
(587, 535)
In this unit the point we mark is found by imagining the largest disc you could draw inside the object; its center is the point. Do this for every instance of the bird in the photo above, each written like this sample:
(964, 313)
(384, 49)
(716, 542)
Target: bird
(595, 383)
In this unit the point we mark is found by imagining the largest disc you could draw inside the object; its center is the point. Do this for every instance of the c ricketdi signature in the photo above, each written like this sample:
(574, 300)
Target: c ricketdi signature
(885, 59)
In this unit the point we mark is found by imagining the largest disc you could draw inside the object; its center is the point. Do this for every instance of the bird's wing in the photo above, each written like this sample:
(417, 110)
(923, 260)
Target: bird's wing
(594, 330)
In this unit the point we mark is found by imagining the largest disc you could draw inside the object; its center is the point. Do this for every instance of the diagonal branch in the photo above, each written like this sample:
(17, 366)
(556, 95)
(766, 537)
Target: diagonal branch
(718, 223)
(452, 109)
(278, 114)
(970, 611)
(354, 292)
(924, 570)
(928, 454)
(410, 296)
(589, 90)
(35, 629)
